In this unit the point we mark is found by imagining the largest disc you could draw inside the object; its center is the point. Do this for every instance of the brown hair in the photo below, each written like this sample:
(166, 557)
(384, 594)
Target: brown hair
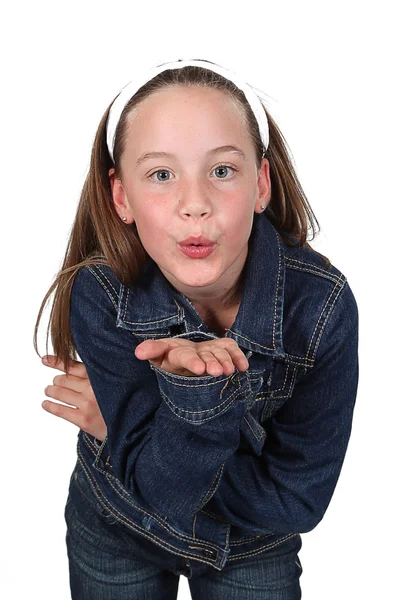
(99, 236)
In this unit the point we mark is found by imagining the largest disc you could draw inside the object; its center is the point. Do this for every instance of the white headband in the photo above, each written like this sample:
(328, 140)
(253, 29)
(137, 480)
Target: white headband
(143, 77)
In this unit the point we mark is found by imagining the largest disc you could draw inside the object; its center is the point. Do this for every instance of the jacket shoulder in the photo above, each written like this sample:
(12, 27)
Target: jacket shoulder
(315, 294)
(306, 260)
(91, 279)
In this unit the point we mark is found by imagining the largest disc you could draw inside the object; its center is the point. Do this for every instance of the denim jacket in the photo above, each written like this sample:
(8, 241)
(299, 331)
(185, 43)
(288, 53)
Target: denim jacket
(216, 468)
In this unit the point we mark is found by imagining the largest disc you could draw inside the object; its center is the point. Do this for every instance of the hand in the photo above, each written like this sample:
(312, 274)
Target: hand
(171, 354)
(184, 357)
(75, 390)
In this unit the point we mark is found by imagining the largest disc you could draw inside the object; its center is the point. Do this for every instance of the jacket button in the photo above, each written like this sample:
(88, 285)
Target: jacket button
(209, 553)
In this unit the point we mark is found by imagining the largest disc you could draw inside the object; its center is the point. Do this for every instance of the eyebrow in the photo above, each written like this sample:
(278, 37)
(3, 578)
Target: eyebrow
(148, 155)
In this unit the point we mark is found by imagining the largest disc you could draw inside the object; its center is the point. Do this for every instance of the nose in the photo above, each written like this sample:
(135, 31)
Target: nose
(194, 201)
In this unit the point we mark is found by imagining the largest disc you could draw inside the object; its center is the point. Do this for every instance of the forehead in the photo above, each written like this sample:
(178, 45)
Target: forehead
(193, 113)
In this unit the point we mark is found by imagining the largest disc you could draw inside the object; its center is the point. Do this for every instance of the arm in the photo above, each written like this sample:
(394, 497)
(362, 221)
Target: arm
(168, 452)
(289, 487)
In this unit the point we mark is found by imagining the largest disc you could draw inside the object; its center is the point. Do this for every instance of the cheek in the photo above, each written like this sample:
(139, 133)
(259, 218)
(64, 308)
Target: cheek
(238, 229)
(151, 226)
(238, 205)
(238, 217)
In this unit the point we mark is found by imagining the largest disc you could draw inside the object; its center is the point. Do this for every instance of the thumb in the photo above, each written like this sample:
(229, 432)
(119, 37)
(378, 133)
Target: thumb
(153, 350)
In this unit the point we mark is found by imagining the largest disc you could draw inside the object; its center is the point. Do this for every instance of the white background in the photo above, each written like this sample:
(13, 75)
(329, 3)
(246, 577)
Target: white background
(331, 73)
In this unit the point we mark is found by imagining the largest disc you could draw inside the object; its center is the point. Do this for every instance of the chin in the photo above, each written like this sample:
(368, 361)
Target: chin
(198, 282)
(193, 278)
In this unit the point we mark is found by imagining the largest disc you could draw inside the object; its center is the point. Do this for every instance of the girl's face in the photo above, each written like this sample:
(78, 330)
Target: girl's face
(177, 181)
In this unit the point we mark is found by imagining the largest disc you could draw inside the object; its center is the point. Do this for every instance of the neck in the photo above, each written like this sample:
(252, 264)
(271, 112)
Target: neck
(216, 305)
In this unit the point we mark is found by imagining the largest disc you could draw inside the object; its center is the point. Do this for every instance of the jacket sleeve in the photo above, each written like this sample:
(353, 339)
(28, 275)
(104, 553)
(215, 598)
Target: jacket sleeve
(168, 452)
(289, 487)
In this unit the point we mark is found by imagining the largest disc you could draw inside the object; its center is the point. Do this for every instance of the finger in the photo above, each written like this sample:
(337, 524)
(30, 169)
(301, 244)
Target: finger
(228, 345)
(77, 368)
(237, 356)
(213, 365)
(186, 357)
(240, 361)
(64, 395)
(71, 382)
(93, 424)
(224, 359)
(153, 350)
(73, 415)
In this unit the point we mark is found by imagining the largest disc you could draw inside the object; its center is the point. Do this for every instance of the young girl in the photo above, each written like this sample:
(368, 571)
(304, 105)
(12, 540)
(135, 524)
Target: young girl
(220, 351)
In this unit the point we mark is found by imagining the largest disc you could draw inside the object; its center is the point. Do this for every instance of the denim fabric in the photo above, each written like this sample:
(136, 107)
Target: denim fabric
(217, 469)
(106, 561)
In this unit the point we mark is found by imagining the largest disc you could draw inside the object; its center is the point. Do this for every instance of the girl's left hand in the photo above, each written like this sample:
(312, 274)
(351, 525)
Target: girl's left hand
(75, 390)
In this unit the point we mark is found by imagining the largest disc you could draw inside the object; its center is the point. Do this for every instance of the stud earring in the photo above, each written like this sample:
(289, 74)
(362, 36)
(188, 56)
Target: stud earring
(124, 218)
(262, 207)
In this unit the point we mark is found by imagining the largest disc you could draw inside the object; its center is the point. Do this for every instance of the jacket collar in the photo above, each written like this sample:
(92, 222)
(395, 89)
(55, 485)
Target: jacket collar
(152, 303)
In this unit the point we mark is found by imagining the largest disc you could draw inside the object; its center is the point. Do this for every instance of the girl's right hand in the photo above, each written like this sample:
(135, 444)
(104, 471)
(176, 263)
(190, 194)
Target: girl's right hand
(75, 391)
(184, 357)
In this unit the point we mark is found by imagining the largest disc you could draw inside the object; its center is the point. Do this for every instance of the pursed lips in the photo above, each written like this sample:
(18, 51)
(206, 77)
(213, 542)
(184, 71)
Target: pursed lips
(196, 241)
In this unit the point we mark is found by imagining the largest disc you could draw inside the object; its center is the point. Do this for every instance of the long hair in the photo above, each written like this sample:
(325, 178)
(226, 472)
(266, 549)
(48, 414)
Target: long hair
(98, 236)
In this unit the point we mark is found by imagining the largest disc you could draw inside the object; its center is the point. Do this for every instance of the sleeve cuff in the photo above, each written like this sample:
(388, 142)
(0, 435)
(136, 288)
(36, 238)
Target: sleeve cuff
(199, 399)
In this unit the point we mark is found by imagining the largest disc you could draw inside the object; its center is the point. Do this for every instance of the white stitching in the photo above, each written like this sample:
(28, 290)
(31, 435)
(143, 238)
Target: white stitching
(210, 410)
(103, 285)
(262, 435)
(326, 319)
(251, 341)
(276, 288)
(254, 552)
(127, 498)
(105, 276)
(323, 272)
(212, 487)
(168, 377)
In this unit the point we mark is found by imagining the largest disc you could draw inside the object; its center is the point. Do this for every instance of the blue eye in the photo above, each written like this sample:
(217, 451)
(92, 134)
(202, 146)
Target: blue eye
(223, 166)
(159, 171)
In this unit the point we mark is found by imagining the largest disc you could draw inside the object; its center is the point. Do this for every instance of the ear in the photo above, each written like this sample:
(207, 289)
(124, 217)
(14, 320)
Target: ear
(120, 199)
(264, 187)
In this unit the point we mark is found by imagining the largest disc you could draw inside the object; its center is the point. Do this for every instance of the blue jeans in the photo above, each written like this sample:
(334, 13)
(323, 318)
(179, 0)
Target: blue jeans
(109, 562)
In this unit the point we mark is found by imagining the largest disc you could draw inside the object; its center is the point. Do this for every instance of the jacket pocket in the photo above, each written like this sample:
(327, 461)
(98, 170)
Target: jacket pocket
(276, 389)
